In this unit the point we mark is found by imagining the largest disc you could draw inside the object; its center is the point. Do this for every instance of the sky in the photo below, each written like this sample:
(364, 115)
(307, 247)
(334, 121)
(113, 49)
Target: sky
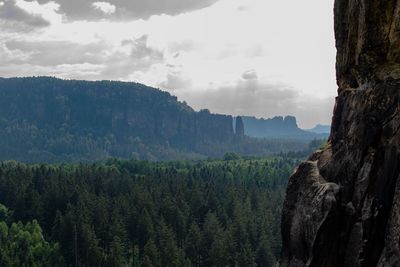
(241, 57)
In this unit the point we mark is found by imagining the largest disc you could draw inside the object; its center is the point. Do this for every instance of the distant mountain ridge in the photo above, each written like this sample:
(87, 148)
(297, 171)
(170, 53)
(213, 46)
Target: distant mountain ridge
(44, 119)
(319, 128)
(278, 127)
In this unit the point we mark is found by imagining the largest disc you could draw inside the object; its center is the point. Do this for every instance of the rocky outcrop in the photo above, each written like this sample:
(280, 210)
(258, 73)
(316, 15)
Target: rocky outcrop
(239, 126)
(277, 127)
(342, 206)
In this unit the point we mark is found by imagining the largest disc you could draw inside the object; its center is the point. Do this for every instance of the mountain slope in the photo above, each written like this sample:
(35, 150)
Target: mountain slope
(278, 127)
(342, 206)
(321, 129)
(49, 120)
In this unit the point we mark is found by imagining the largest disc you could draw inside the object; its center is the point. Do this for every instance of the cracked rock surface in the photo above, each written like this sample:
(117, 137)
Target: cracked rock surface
(342, 206)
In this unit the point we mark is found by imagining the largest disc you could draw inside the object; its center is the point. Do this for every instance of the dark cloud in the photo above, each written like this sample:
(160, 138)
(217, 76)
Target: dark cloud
(14, 18)
(141, 49)
(250, 75)
(128, 9)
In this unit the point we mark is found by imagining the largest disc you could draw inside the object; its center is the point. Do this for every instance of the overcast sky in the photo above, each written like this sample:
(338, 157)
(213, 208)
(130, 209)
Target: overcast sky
(239, 57)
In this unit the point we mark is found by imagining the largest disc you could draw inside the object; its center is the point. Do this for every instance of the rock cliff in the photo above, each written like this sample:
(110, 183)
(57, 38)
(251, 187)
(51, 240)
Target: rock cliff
(44, 119)
(277, 127)
(342, 206)
(53, 116)
(239, 127)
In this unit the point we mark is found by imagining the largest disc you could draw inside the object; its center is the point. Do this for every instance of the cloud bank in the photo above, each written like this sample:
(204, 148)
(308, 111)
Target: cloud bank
(248, 57)
(249, 96)
(125, 9)
(14, 18)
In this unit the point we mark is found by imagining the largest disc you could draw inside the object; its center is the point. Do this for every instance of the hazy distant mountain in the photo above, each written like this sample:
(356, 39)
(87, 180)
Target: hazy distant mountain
(278, 127)
(322, 129)
(48, 120)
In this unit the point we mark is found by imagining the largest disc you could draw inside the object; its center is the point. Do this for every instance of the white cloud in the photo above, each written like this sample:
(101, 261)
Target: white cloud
(255, 98)
(48, 11)
(257, 50)
(66, 71)
(15, 18)
(126, 9)
(105, 7)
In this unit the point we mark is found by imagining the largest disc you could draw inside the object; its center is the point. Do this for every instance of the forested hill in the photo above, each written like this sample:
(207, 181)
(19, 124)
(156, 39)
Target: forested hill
(45, 119)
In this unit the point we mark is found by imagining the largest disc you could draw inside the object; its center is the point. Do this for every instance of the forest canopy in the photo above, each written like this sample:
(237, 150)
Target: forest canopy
(140, 213)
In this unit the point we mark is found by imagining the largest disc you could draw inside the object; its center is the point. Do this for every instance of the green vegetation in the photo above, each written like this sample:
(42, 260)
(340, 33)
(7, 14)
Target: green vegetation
(24, 245)
(51, 120)
(132, 212)
(317, 144)
(139, 213)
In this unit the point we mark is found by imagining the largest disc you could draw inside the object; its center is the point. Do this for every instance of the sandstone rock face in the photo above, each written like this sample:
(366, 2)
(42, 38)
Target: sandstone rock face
(342, 206)
(239, 127)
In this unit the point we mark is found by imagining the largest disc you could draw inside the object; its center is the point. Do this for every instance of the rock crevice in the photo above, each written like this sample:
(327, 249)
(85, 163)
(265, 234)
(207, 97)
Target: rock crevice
(342, 206)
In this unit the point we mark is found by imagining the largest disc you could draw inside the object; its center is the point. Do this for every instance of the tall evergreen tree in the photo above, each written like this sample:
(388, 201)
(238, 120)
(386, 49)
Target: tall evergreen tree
(139, 213)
